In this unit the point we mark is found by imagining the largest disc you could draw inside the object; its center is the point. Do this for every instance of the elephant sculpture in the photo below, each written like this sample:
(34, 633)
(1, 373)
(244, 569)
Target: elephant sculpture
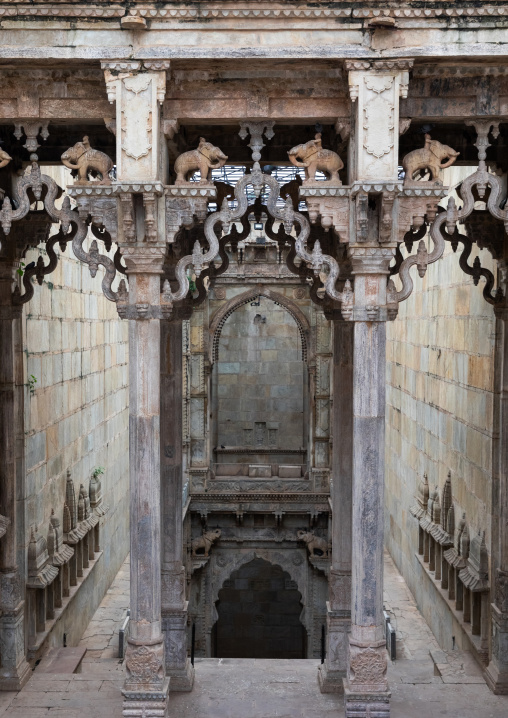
(201, 546)
(316, 545)
(4, 158)
(312, 157)
(83, 159)
(205, 158)
(431, 157)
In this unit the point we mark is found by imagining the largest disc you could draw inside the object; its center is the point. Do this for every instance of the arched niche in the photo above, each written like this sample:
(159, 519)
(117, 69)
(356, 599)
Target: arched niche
(259, 614)
(223, 313)
(260, 383)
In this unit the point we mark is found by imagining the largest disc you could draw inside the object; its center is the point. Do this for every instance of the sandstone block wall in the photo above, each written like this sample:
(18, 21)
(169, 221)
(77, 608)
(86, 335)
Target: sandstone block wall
(439, 416)
(261, 378)
(76, 416)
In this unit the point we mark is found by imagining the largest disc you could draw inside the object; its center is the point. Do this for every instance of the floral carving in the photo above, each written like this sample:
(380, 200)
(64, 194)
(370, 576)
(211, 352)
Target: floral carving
(144, 664)
(368, 666)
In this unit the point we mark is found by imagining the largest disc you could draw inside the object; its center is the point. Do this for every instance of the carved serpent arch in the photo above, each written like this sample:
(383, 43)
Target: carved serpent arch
(223, 313)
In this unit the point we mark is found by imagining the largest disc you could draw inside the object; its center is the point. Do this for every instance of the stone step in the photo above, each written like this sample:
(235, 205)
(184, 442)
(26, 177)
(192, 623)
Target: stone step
(62, 660)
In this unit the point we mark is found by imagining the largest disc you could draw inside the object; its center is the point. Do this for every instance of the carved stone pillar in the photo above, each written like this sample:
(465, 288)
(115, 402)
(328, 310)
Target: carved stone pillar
(366, 685)
(496, 674)
(14, 669)
(138, 91)
(174, 605)
(338, 620)
(146, 685)
(375, 89)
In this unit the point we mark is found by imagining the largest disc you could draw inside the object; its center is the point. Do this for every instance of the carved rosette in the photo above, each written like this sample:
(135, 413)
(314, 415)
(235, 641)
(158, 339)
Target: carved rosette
(367, 667)
(145, 666)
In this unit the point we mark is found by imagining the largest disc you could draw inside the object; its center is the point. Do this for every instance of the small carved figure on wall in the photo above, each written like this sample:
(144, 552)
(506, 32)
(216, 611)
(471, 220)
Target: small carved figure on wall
(205, 158)
(433, 157)
(201, 546)
(316, 545)
(312, 157)
(84, 160)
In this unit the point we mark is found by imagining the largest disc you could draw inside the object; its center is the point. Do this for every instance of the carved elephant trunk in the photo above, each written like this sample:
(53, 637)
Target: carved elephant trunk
(293, 154)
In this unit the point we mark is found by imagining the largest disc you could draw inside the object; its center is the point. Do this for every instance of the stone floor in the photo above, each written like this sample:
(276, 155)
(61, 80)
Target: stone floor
(425, 681)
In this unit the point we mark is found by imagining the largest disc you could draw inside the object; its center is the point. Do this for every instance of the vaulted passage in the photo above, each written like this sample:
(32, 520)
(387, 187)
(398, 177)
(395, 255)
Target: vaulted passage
(259, 611)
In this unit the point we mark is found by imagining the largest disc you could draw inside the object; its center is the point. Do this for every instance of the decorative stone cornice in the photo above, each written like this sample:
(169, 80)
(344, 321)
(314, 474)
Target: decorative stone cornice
(253, 10)
(396, 65)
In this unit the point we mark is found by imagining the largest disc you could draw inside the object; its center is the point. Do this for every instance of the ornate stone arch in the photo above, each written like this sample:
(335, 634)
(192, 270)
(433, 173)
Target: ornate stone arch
(292, 562)
(223, 313)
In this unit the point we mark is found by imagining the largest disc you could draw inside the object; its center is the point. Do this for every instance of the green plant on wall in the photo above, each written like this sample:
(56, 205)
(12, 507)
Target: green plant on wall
(32, 381)
(97, 471)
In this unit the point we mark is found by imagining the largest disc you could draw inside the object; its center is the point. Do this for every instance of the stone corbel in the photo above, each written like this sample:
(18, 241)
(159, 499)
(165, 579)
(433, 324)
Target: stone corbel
(170, 128)
(101, 206)
(343, 128)
(185, 206)
(150, 207)
(362, 221)
(330, 206)
(415, 207)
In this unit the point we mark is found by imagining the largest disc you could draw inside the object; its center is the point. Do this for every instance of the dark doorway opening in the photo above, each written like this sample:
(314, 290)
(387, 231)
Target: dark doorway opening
(259, 611)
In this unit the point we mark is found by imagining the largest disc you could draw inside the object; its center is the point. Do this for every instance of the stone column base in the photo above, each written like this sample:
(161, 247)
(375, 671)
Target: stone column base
(330, 681)
(359, 704)
(146, 704)
(16, 679)
(496, 680)
(182, 679)
(14, 670)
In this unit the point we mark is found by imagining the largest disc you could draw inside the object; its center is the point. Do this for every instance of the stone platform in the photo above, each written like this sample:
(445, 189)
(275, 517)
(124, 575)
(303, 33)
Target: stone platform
(230, 688)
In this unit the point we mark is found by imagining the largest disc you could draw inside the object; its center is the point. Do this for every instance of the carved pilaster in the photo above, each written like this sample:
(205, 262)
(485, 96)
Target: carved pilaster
(138, 90)
(375, 87)
(14, 669)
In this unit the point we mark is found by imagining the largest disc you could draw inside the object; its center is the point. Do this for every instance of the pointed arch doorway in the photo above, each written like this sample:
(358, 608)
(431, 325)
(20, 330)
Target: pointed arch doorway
(259, 611)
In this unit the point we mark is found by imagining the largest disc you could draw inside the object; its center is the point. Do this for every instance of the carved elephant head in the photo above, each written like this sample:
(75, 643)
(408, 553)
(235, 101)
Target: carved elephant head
(71, 157)
(299, 155)
(442, 152)
(215, 156)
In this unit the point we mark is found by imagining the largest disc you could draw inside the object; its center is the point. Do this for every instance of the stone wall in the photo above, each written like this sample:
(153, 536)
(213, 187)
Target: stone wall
(76, 416)
(261, 379)
(439, 417)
